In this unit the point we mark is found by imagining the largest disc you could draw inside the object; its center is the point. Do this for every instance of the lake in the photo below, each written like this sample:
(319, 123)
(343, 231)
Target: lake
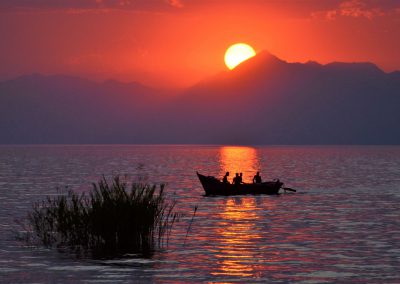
(342, 225)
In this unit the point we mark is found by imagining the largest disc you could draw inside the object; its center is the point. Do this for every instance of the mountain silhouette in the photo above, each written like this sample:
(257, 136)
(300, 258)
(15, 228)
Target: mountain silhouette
(264, 100)
(65, 109)
(268, 101)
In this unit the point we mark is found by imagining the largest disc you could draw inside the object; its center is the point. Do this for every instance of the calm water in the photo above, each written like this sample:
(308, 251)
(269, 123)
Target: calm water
(343, 225)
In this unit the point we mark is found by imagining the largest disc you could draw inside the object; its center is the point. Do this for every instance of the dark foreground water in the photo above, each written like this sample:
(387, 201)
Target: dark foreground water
(343, 225)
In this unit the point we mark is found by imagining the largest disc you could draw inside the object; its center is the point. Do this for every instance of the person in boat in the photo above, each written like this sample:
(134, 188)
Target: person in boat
(236, 179)
(225, 178)
(257, 178)
(240, 178)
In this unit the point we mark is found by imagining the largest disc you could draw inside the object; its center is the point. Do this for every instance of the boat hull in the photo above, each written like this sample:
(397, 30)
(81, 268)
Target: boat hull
(213, 186)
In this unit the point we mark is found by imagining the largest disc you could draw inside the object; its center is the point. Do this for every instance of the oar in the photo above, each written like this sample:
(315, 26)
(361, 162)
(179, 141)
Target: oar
(290, 189)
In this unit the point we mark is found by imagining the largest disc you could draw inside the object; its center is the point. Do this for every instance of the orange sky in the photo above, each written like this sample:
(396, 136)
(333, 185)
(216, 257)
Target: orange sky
(177, 43)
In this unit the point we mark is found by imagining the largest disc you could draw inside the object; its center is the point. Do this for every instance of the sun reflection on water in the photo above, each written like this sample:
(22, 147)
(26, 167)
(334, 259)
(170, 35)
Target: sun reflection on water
(237, 159)
(237, 229)
(237, 232)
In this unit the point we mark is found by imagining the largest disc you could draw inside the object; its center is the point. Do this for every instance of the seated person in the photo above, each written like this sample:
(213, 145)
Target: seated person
(225, 178)
(237, 180)
(257, 178)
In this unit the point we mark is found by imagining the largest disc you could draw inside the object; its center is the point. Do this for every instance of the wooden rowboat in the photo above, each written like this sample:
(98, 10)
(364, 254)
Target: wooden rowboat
(213, 186)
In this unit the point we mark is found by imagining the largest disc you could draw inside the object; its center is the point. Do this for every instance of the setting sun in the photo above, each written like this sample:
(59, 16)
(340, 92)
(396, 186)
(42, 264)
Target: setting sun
(238, 53)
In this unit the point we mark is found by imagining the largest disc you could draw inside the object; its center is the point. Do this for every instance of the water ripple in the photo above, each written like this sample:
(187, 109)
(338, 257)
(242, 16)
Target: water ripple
(342, 226)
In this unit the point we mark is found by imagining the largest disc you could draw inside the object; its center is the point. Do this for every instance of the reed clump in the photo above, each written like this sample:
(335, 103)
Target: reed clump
(114, 217)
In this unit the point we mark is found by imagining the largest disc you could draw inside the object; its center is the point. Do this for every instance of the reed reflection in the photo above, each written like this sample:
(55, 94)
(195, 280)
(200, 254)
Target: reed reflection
(235, 159)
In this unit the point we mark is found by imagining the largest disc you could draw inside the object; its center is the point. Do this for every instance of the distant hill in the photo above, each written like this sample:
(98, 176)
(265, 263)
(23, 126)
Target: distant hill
(64, 109)
(268, 101)
(263, 101)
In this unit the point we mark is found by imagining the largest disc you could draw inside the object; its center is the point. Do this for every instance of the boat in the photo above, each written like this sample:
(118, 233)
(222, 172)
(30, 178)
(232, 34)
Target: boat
(213, 186)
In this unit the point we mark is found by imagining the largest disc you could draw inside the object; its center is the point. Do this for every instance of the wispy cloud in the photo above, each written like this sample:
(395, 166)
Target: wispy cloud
(175, 3)
(85, 5)
(323, 9)
(368, 9)
(358, 8)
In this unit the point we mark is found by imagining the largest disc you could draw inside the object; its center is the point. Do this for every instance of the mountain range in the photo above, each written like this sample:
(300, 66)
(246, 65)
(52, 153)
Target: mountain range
(264, 100)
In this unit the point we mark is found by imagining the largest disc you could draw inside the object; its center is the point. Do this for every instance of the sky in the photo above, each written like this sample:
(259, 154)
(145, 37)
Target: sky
(176, 43)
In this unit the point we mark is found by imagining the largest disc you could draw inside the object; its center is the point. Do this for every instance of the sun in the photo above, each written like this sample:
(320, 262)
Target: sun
(237, 53)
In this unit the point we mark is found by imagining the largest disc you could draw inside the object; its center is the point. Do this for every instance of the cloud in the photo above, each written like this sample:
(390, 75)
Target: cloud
(368, 9)
(358, 8)
(85, 5)
(175, 3)
(326, 9)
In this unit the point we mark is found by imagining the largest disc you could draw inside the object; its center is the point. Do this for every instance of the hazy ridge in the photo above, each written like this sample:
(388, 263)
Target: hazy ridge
(263, 101)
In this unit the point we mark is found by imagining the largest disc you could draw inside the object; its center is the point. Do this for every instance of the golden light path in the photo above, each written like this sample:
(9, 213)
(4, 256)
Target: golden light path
(237, 229)
(239, 160)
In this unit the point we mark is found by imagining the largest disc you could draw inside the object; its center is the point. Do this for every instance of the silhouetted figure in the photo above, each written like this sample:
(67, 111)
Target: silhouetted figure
(257, 178)
(225, 178)
(241, 178)
(236, 179)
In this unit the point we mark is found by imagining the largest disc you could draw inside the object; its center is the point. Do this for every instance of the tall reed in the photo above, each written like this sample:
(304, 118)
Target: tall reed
(116, 217)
